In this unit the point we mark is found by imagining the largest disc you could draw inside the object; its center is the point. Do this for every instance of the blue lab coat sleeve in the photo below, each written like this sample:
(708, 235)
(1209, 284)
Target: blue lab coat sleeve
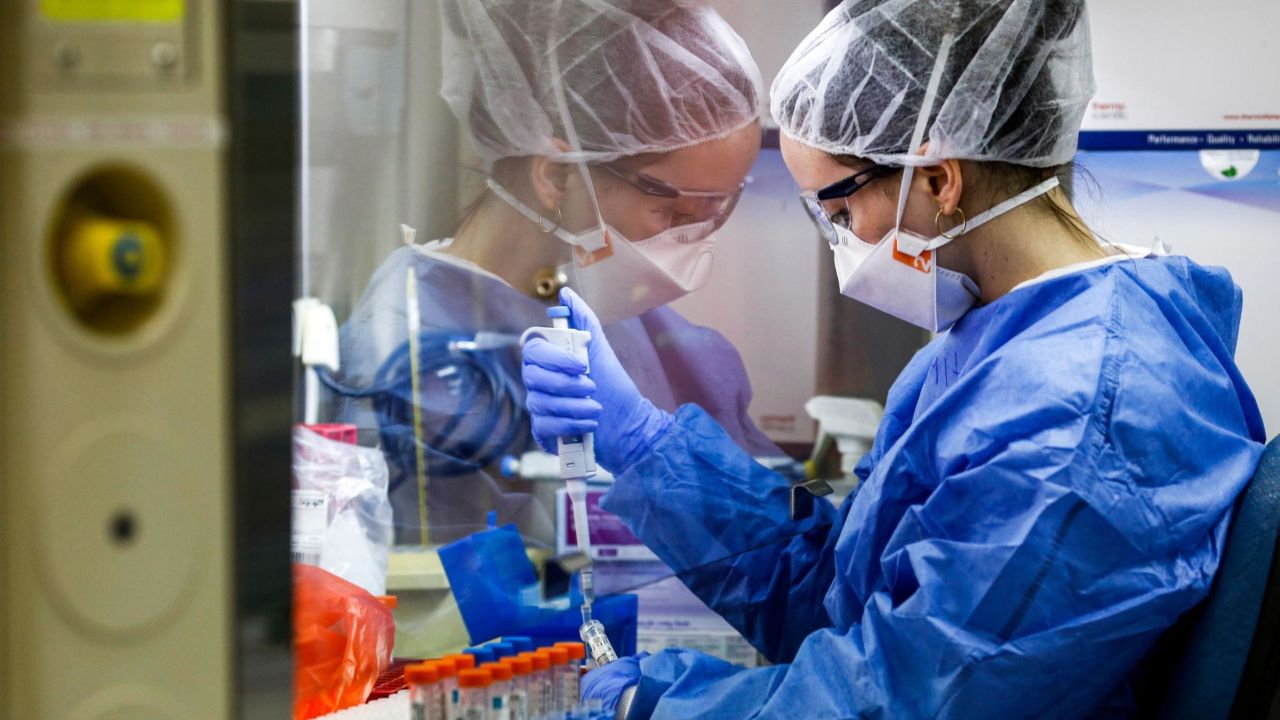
(722, 522)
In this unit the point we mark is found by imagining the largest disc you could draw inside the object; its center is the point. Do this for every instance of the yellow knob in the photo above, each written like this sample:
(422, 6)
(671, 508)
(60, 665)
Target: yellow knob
(810, 469)
(107, 258)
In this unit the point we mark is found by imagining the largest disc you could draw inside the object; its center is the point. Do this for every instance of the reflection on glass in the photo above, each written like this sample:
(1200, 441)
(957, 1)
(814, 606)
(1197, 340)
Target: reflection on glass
(616, 188)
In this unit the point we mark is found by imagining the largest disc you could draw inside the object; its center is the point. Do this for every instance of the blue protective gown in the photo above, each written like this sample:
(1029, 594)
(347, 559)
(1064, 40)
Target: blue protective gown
(1049, 490)
(672, 360)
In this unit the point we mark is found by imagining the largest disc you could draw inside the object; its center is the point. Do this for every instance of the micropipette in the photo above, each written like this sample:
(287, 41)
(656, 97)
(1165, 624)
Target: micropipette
(577, 464)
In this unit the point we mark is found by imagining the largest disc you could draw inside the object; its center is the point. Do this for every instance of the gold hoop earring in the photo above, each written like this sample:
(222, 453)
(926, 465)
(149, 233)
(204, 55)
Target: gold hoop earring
(542, 222)
(964, 224)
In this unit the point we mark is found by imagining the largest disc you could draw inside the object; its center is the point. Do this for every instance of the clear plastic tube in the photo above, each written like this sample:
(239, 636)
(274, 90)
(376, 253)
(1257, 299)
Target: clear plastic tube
(499, 690)
(586, 583)
(425, 702)
(533, 698)
(572, 674)
(498, 693)
(518, 695)
(473, 694)
(597, 642)
(564, 699)
(473, 704)
(555, 703)
(448, 670)
(540, 695)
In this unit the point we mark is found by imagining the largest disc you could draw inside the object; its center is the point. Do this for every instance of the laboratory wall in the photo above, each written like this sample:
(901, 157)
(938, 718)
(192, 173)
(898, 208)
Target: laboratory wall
(378, 145)
(1184, 147)
(1218, 209)
(1169, 73)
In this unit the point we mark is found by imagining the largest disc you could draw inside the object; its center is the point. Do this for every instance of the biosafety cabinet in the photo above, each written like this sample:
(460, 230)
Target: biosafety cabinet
(146, 170)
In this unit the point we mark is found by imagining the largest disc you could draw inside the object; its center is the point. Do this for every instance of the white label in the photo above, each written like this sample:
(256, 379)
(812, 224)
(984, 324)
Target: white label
(569, 685)
(310, 522)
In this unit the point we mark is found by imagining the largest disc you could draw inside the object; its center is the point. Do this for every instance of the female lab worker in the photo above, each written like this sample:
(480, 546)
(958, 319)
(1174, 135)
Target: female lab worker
(616, 136)
(1053, 479)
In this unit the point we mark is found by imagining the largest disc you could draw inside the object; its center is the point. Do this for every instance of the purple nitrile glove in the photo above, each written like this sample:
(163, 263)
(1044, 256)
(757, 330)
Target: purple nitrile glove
(564, 401)
(607, 682)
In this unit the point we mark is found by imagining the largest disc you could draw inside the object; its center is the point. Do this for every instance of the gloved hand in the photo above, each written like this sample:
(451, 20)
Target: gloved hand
(607, 682)
(563, 401)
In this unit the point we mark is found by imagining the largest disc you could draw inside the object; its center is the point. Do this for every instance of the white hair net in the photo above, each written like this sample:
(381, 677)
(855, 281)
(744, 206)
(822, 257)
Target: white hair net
(1012, 88)
(608, 77)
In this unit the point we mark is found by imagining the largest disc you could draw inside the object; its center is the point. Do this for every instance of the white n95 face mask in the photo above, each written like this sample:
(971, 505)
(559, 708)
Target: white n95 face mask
(621, 279)
(900, 274)
(639, 276)
(913, 289)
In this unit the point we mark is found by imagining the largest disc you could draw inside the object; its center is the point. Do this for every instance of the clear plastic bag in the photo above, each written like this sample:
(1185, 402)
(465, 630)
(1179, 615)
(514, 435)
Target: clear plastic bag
(342, 516)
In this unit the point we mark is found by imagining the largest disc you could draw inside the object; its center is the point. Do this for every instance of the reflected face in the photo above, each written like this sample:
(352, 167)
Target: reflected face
(634, 193)
(869, 212)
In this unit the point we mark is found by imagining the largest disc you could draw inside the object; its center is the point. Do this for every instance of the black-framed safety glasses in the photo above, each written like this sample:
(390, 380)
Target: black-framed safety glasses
(839, 190)
(686, 207)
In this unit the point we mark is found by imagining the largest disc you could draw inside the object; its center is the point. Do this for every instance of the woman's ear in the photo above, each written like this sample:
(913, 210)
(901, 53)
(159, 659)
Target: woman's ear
(944, 182)
(549, 179)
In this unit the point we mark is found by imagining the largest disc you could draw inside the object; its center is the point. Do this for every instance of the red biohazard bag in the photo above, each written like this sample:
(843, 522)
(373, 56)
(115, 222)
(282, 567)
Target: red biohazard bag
(342, 640)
